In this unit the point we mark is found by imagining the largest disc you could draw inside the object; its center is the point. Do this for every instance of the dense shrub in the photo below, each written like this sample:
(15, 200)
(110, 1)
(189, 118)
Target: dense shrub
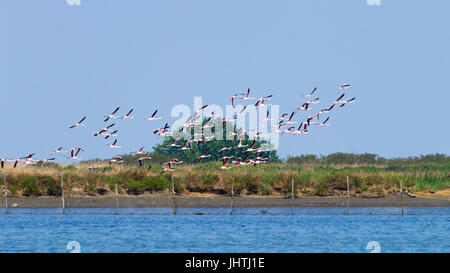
(135, 187)
(30, 186)
(274, 178)
(53, 187)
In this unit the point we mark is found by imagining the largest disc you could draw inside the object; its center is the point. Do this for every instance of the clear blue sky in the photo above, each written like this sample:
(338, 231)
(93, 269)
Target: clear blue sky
(60, 62)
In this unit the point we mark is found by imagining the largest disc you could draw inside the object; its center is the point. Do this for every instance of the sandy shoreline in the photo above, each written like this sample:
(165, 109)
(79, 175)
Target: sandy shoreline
(165, 200)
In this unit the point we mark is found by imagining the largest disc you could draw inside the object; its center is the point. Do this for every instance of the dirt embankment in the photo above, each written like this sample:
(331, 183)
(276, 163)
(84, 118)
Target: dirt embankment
(213, 200)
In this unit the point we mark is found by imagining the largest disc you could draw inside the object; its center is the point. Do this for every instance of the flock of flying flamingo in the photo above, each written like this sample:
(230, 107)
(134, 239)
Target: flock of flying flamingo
(283, 125)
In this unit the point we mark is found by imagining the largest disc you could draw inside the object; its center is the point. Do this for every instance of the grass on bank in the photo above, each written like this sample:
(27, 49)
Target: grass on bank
(267, 179)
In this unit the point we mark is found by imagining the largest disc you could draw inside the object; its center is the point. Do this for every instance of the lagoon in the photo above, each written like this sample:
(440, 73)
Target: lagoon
(310, 229)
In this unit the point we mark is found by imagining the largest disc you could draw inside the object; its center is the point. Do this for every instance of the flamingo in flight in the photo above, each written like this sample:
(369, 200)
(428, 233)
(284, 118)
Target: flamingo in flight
(76, 149)
(117, 159)
(344, 102)
(28, 157)
(15, 163)
(256, 162)
(173, 161)
(140, 151)
(236, 162)
(267, 117)
(314, 116)
(201, 108)
(343, 86)
(224, 166)
(141, 160)
(204, 155)
(149, 170)
(114, 145)
(258, 135)
(260, 101)
(164, 133)
(340, 97)
(187, 124)
(173, 144)
(111, 115)
(285, 131)
(164, 129)
(326, 110)
(283, 117)
(323, 123)
(243, 162)
(59, 150)
(103, 130)
(2, 162)
(169, 168)
(315, 100)
(127, 116)
(107, 135)
(280, 123)
(299, 130)
(45, 160)
(290, 119)
(196, 112)
(277, 129)
(304, 106)
(80, 123)
(225, 157)
(308, 121)
(247, 96)
(238, 114)
(240, 145)
(234, 97)
(153, 116)
(225, 149)
(74, 155)
(184, 148)
(251, 149)
(310, 94)
(208, 124)
(236, 133)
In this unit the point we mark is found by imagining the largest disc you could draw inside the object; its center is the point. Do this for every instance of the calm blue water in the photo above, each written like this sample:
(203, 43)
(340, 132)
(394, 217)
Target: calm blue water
(422, 229)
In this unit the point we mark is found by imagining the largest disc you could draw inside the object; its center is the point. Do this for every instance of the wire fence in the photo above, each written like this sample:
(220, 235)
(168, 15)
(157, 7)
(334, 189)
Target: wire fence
(239, 211)
(171, 203)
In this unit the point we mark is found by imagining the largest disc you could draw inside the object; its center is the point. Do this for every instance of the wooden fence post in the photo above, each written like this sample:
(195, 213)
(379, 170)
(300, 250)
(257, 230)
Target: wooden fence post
(232, 197)
(62, 196)
(117, 200)
(173, 197)
(292, 196)
(348, 196)
(6, 193)
(401, 196)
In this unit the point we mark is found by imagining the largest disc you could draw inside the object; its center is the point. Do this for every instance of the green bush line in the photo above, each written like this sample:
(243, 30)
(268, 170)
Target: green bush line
(267, 179)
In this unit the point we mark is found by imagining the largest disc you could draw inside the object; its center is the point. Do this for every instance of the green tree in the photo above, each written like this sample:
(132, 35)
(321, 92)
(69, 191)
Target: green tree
(214, 144)
(303, 159)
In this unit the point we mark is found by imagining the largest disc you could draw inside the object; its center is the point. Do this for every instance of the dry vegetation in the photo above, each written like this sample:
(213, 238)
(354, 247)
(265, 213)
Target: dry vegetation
(268, 179)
